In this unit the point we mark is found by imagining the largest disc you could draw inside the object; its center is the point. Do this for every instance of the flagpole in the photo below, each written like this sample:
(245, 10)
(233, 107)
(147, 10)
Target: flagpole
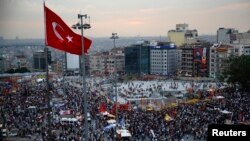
(47, 77)
(64, 72)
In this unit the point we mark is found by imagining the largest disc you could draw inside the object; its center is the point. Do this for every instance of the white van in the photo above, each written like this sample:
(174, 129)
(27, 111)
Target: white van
(69, 121)
(89, 117)
(123, 134)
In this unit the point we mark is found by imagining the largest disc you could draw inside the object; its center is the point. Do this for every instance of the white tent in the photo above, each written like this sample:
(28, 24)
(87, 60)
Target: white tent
(124, 133)
(219, 97)
(225, 112)
(39, 80)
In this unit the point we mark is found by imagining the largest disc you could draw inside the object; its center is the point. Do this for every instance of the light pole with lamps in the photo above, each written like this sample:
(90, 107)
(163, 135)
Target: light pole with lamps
(114, 37)
(82, 27)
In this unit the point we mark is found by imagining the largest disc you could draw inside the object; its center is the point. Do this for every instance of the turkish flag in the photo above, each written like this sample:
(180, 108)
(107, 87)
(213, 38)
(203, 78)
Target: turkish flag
(102, 107)
(60, 36)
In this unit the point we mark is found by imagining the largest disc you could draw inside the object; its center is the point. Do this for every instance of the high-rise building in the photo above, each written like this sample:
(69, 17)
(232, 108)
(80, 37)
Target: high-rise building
(219, 57)
(137, 58)
(5, 63)
(182, 35)
(163, 59)
(246, 49)
(98, 63)
(115, 61)
(194, 59)
(57, 66)
(21, 62)
(106, 63)
(226, 35)
(242, 38)
(39, 61)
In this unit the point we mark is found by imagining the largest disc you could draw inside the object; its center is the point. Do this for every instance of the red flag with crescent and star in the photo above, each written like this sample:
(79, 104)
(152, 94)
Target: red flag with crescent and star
(60, 36)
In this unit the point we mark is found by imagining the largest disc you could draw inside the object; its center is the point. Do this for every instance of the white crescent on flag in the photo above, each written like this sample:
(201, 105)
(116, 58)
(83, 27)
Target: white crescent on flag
(54, 24)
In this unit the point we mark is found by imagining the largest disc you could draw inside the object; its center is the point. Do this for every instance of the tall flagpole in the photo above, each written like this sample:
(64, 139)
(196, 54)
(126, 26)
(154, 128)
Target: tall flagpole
(64, 72)
(47, 77)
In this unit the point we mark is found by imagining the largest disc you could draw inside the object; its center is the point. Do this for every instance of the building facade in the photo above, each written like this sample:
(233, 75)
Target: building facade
(243, 38)
(115, 61)
(98, 65)
(39, 61)
(137, 58)
(163, 59)
(226, 35)
(194, 60)
(246, 49)
(219, 58)
(58, 66)
(22, 62)
(182, 35)
(5, 64)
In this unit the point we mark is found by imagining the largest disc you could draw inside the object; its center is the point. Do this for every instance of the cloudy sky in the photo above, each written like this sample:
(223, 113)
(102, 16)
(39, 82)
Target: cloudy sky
(24, 18)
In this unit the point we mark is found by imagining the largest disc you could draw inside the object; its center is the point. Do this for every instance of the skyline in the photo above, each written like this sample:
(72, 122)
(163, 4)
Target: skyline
(24, 19)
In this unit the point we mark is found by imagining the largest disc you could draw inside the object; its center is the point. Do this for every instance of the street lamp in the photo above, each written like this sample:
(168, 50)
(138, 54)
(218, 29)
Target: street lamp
(82, 27)
(114, 37)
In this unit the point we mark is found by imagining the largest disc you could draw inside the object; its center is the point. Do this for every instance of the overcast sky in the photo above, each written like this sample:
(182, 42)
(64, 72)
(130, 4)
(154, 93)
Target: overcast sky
(24, 18)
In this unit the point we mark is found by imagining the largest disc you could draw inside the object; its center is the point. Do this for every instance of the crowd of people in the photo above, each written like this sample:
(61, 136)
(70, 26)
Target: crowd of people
(27, 111)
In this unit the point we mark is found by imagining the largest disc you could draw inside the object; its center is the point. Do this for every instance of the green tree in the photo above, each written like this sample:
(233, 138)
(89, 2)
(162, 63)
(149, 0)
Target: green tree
(19, 70)
(22, 70)
(10, 71)
(239, 71)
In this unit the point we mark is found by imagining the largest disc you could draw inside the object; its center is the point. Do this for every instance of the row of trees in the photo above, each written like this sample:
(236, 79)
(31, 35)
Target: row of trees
(239, 72)
(18, 70)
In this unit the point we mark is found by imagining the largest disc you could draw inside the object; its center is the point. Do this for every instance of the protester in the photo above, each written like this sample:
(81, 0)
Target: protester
(27, 111)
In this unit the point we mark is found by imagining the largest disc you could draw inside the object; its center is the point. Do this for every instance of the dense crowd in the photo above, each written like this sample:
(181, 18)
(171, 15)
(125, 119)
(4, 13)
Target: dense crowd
(27, 111)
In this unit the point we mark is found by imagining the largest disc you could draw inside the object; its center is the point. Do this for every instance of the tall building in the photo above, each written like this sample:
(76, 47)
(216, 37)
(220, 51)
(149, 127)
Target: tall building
(137, 58)
(115, 61)
(163, 59)
(5, 64)
(226, 35)
(178, 59)
(106, 63)
(182, 35)
(219, 57)
(98, 63)
(39, 61)
(246, 49)
(21, 62)
(242, 38)
(194, 59)
(57, 66)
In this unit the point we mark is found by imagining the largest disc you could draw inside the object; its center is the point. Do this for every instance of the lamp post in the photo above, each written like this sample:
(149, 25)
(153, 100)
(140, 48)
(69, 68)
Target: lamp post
(114, 37)
(82, 27)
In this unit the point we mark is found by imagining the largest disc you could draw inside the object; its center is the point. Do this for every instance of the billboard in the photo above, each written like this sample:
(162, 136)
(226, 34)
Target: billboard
(204, 60)
(72, 61)
(200, 57)
(197, 54)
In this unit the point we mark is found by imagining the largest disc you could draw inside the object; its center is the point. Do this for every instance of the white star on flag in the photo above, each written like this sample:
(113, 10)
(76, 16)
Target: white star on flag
(69, 38)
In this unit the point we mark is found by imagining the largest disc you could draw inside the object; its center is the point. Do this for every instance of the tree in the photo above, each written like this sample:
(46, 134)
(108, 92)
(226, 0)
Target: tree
(239, 71)
(22, 70)
(19, 70)
(10, 71)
